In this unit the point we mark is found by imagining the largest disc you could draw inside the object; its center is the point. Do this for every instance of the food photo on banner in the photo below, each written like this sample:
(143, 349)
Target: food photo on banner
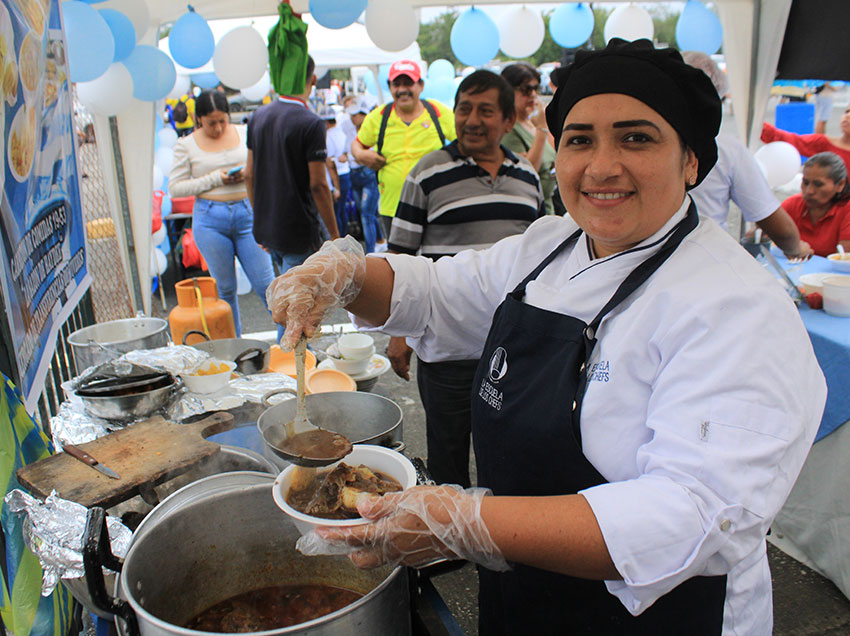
(44, 271)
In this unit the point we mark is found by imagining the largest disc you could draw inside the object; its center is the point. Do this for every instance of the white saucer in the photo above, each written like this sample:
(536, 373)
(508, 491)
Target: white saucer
(378, 365)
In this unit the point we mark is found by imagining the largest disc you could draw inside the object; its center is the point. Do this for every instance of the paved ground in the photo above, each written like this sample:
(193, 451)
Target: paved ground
(805, 603)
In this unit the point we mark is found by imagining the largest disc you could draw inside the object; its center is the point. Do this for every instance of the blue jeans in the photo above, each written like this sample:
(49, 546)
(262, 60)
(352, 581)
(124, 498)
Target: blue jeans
(364, 183)
(344, 187)
(223, 230)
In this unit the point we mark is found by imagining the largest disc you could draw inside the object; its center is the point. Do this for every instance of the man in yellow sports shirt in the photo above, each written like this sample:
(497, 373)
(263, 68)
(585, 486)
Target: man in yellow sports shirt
(395, 137)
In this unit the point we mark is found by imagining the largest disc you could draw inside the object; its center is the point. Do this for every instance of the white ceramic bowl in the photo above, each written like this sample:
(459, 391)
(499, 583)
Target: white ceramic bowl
(209, 383)
(813, 282)
(840, 262)
(353, 366)
(378, 458)
(356, 346)
(836, 295)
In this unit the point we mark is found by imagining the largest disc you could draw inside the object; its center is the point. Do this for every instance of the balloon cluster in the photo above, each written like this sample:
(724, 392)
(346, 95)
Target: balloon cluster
(111, 68)
(440, 82)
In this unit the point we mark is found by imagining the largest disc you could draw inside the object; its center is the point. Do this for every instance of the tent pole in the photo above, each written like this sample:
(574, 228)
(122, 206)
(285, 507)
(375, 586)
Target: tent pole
(754, 59)
(124, 205)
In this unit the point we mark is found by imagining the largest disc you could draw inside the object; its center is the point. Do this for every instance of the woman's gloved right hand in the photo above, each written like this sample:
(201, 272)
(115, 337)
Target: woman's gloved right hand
(330, 278)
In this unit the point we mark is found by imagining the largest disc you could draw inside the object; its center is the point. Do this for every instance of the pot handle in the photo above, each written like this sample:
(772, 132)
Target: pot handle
(248, 354)
(268, 395)
(195, 332)
(96, 554)
(398, 446)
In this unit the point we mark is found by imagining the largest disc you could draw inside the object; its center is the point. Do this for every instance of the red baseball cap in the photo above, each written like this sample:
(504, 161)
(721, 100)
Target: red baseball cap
(405, 67)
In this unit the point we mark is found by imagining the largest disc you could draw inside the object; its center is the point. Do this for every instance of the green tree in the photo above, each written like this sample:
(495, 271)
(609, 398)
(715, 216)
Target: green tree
(664, 21)
(434, 38)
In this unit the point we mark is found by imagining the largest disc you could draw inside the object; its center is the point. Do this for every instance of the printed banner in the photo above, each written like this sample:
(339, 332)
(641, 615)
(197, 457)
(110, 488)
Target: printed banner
(44, 255)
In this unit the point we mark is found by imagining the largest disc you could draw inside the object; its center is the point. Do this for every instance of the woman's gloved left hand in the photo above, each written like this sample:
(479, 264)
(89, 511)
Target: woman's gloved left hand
(413, 528)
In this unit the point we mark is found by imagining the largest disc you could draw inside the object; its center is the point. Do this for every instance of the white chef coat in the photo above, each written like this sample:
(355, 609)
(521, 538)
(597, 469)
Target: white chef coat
(704, 395)
(735, 177)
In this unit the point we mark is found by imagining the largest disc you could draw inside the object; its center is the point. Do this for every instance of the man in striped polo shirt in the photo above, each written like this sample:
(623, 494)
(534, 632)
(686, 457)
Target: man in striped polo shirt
(467, 195)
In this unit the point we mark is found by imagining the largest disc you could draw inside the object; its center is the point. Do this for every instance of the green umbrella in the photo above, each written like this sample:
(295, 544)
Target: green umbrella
(288, 53)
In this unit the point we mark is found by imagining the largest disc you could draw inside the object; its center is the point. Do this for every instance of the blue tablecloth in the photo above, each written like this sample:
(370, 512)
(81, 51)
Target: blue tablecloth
(830, 338)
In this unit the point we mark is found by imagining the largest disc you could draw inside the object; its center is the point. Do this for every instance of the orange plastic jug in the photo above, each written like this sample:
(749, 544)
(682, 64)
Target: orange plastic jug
(199, 308)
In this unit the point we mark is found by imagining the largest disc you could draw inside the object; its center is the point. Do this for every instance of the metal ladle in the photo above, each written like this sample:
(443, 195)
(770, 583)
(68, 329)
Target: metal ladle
(314, 446)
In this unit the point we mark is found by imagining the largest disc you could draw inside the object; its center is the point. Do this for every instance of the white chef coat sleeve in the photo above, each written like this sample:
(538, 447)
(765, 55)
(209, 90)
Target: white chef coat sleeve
(454, 299)
(734, 407)
(749, 189)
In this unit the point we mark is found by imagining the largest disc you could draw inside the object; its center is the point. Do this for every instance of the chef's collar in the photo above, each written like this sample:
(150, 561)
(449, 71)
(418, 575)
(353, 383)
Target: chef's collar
(683, 95)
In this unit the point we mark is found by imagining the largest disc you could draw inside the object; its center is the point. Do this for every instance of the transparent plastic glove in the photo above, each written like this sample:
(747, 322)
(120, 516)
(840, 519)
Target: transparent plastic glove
(413, 528)
(330, 278)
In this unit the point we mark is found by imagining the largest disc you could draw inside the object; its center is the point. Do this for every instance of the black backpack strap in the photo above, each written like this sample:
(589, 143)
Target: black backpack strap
(385, 117)
(436, 119)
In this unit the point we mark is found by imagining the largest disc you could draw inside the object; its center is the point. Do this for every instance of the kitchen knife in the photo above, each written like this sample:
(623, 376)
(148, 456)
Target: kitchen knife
(84, 457)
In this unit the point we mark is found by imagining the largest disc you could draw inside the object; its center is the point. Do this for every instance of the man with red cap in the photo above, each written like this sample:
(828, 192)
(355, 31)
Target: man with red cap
(393, 138)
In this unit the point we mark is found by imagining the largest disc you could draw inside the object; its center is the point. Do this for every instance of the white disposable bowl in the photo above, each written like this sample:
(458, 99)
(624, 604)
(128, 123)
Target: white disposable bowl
(836, 295)
(353, 367)
(209, 383)
(356, 346)
(838, 263)
(377, 458)
(813, 282)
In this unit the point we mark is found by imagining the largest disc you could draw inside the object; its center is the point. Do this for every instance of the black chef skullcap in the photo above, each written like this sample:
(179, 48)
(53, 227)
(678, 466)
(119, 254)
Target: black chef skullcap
(681, 94)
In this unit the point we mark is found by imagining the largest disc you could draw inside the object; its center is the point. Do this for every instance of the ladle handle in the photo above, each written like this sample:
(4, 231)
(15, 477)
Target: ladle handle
(97, 553)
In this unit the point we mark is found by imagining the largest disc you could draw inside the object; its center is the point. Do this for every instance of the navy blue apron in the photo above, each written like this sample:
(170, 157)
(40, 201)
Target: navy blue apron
(532, 374)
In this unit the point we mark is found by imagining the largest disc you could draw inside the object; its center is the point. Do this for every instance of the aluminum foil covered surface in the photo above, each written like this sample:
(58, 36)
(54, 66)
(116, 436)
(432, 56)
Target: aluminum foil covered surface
(53, 530)
(175, 359)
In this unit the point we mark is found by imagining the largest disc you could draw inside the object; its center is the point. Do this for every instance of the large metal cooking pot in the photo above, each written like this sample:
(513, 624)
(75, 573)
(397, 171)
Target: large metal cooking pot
(133, 406)
(250, 356)
(199, 481)
(107, 340)
(234, 540)
(364, 418)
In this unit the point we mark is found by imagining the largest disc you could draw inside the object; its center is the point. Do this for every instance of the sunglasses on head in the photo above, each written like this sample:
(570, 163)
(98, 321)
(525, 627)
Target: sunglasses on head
(529, 89)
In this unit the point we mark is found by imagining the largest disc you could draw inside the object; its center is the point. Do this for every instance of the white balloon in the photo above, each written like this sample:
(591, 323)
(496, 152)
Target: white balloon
(110, 93)
(781, 162)
(241, 57)
(159, 236)
(243, 285)
(181, 86)
(521, 32)
(158, 261)
(629, 22)
(391, 24)
(163, 158)
(136, 10)
(158, 177)
(259, 90)
(167, 137)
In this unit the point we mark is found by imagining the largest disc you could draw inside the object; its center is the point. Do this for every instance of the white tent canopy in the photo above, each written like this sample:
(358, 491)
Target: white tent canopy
(750, 44)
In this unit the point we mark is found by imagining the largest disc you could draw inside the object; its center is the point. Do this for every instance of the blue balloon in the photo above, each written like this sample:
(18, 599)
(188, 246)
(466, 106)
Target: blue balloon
(371, 87)
(440, 68)
(123, 32)
(698, 29)
(91, 46)
(384, 74)
(571, 24)
(205, 80)
(442, 89)
(191, 41)
(336, 14)
(153, 72)
(475, 38)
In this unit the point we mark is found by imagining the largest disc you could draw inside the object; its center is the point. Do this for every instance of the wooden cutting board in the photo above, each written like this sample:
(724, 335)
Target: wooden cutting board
(143, 454)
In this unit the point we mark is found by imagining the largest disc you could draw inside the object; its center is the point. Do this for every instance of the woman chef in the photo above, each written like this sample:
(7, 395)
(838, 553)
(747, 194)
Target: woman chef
(647, 392)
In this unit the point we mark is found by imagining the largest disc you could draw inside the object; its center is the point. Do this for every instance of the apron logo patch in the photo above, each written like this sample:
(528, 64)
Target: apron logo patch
(599, 372)
(498, 364)
(490, 394)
